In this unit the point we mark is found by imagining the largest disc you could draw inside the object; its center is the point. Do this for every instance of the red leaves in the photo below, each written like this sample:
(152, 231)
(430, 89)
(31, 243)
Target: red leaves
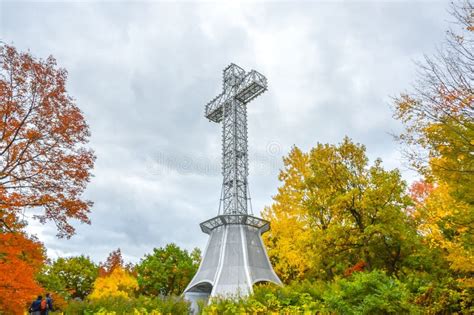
(420, 190)
(359, 267)
(43, 162)
(114, 261)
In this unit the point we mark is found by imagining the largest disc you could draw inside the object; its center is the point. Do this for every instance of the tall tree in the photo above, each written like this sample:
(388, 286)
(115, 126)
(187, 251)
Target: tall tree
(438, 116)
(44, 163)
(71, 277)
(167, 270)
(334, 211)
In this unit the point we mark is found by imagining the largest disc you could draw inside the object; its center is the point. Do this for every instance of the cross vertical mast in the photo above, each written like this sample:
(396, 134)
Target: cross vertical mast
(234, 159)
(230, 108)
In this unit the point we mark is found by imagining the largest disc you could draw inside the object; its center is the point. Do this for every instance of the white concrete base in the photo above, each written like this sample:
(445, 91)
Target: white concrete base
(234, 260)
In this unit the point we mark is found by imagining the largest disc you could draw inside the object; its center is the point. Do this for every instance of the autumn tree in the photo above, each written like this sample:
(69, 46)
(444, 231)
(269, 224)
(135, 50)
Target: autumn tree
(438, 115)
(334, 211)
(21, 257)
(44, 166)
(44, 163)
(167, 270)
(71, 277)
(119, 283)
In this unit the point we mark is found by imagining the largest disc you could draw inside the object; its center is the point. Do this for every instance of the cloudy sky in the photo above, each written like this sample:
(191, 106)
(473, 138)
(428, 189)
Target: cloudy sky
(143, 71)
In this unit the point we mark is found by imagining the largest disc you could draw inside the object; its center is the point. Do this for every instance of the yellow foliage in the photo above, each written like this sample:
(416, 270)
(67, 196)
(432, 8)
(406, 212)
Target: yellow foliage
(288, 221)
(118, 284)
(333, 210)
(448, 224)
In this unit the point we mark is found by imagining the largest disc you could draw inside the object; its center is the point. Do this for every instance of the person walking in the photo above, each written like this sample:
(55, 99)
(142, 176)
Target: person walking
(35, 308)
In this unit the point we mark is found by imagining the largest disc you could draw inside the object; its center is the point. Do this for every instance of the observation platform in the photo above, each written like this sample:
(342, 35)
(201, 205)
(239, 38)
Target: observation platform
(227, 219)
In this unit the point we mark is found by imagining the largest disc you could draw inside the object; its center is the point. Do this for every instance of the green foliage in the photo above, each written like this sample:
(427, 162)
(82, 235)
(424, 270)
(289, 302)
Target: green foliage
(70, 277)
(368, 293)
(362, 293)
(167, 270)
(440, 295)
(122, 305)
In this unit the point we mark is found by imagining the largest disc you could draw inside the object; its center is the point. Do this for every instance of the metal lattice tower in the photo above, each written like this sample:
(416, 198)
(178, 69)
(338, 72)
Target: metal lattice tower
(235, 257)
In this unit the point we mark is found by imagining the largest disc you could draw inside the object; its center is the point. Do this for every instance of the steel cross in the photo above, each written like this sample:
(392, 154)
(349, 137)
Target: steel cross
(229, 107)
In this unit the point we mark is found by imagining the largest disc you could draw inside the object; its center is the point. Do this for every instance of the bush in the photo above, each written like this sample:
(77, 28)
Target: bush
(121, 305)
(361, 293)
(444, 296)
(368, 293)
(302, 297)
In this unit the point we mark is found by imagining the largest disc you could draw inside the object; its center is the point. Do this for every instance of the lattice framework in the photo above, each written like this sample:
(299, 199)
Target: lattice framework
(230, 108)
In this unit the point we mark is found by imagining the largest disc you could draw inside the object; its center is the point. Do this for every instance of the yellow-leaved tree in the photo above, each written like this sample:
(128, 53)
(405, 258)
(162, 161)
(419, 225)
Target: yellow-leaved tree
(334, 212)
(119, 283)
(439, 138)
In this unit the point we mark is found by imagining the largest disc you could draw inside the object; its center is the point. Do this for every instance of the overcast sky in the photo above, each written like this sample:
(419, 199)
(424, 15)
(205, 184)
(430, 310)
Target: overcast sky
(142, 73)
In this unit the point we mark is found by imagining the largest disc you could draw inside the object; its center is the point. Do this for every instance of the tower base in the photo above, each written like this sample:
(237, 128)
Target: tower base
(234, 260)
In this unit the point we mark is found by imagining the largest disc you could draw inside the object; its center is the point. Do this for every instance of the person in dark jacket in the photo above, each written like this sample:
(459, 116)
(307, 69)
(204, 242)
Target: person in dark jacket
(49, 303)
(35, 308)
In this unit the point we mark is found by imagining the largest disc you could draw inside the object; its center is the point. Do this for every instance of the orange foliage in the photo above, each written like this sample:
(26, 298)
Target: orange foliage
(360, 266)
(114, 261)
(43, 163)
(20, 258)
(420, 190)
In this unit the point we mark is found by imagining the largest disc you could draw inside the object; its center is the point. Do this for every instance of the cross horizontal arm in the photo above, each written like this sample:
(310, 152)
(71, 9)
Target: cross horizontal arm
(214, 109)
(251, 86)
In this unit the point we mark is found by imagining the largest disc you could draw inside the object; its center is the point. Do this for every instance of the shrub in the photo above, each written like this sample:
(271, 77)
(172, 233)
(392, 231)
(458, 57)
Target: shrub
(368, 293)
(361, 293)
(121, 305)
